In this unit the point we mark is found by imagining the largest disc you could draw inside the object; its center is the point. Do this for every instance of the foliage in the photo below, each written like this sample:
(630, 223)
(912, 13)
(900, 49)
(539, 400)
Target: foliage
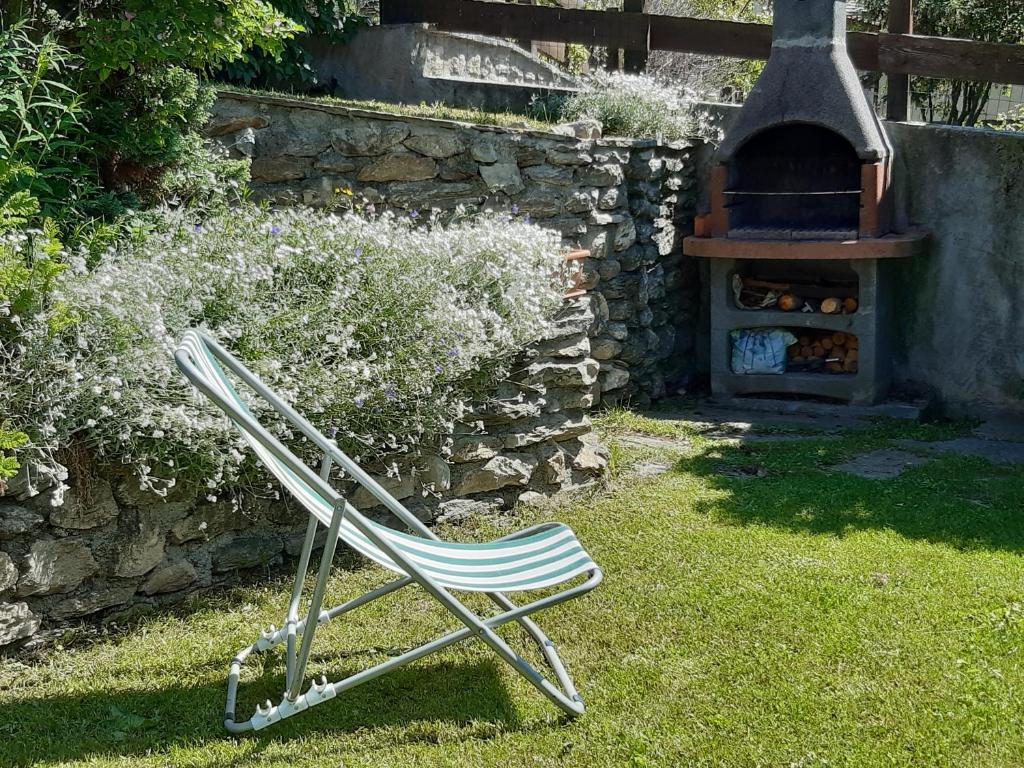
(128, 37)
(380, 328)
(958, 102)
(42, 141)
(633, 105)
(333, 21)
(9, 441)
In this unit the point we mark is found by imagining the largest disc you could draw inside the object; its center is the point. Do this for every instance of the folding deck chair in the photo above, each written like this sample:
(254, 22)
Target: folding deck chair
(541, 556)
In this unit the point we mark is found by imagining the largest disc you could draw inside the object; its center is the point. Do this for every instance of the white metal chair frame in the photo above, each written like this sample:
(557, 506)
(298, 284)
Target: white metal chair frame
(294, 701)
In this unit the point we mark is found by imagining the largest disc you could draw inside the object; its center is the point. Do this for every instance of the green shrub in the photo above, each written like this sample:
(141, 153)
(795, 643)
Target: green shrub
(632, 105)
(381, 329)
(292, 69)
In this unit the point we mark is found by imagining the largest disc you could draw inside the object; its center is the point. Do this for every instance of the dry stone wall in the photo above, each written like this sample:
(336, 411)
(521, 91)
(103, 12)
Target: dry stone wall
(111, 550)
(628, 202)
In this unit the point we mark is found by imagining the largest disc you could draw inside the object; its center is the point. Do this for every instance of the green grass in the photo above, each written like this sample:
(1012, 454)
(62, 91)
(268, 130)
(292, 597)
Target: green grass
(437, 110)
(799, 618)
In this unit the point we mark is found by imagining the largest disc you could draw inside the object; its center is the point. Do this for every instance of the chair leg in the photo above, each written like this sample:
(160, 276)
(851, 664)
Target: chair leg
(268, 714)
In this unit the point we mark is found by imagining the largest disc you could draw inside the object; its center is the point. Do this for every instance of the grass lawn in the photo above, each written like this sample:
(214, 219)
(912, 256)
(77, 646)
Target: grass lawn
(782, 616)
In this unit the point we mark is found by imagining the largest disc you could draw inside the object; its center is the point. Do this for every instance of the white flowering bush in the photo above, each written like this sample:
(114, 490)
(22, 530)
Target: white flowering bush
(638, 106)
(379, 329)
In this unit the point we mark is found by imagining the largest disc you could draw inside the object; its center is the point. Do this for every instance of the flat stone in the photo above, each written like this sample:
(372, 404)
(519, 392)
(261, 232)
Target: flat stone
(16, 520)
(475, 448)
(8, 572)
(601, 175)
(458, 168)
(556, 426)
(591, 456)
(613, 377)
(539, 200)
(423, 194)
(883, 464)
(573, 345)
(55, 565)
(86, 508)
(548, 174)
(99, 598)
(401, 487)
(171, 578)
(502, 177)
(505, 411)
(234, 124)
(333, 161)
(458, 510)
(1006, 427)
(435, 473)
(405, 166)
(569, 398)
(367, 139)
(499, 472)
(274, 169)
(605, 348)
(16, 622)
(141, 551)
(208, 521)
(996, 451)
(587, 128)
(32, 479)
(484, 152)
(246, 551)
(559, 373)
(436, 145)
(568, 157)
(531, 498)
(582, 201)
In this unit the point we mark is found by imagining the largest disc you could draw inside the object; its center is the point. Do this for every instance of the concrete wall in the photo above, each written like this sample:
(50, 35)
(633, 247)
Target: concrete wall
(960, 315)
(427, 65)
(961, 325)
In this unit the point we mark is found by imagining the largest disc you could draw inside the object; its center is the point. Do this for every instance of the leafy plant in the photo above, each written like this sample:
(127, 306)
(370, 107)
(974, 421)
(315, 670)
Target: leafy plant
(383, 328)
(292, 68)
(632, 105)
(959, 102)
(9, 441)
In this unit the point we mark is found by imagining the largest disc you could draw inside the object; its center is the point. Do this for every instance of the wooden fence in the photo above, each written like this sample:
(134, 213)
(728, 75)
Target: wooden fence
(897, 52)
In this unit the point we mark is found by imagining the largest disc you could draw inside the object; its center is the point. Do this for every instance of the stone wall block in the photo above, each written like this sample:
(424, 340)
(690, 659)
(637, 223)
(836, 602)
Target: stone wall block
(502, 471)
(600, 175)
(8, 573)
(16, 520)
(364, 139)
(549, 427)
(173, 577)
(436, 144)
(502, 177)
(140, 551)
(402, 166)
(56, 565)
(17, 622)
(247, 550)
(89, 508)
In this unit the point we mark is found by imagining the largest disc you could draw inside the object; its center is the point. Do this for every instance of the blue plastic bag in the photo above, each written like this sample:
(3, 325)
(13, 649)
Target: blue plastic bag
(760, 350)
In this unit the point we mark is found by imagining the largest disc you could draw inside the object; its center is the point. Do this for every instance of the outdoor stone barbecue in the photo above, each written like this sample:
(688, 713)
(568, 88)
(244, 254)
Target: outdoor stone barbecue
(800, 230)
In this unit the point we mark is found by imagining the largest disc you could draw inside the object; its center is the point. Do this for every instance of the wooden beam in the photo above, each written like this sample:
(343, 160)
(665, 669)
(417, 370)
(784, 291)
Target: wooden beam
(886, 52)
(946, 57)
(553, 25)
(901, 22)
(635, 60)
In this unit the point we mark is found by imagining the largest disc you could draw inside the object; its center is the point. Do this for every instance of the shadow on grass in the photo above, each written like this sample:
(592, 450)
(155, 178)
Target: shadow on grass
(964, 502)
(121, 723)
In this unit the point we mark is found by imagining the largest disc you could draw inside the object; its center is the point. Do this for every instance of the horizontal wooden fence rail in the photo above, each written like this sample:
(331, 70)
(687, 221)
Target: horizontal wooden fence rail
(883, 52)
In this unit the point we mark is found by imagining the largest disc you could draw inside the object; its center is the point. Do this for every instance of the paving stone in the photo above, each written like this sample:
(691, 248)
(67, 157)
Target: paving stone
(996, 451)
(883, 464)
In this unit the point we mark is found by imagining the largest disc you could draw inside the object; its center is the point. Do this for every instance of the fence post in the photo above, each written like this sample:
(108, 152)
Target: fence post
(901, 22)
(635, 61)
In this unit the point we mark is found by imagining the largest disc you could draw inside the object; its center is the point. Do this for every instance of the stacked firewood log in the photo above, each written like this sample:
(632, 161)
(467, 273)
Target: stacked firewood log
(827, 351)
(794, 297)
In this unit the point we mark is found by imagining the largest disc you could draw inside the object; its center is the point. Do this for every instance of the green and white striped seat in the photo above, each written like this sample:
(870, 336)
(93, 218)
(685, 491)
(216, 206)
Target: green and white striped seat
(542, 559)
